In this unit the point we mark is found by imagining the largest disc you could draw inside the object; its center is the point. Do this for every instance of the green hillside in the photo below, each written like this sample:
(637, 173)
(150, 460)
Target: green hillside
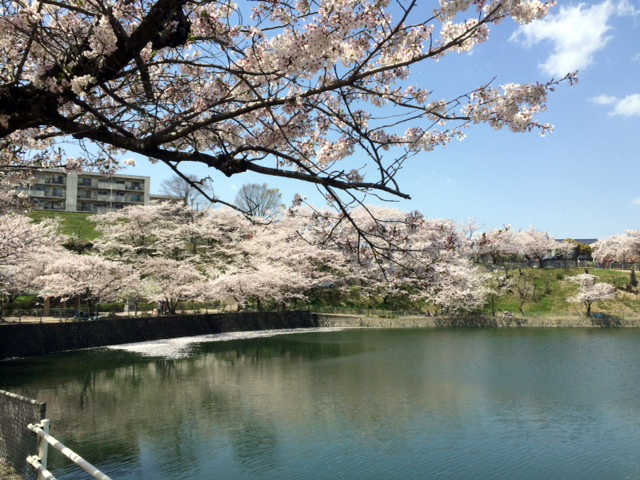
(71, 223)
(547, 290)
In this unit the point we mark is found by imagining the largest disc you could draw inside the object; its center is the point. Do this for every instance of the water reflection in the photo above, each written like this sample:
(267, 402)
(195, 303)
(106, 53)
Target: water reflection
(363, 403)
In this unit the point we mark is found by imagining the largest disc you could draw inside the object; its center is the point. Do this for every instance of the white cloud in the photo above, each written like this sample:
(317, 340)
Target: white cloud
(636, 201)
(625, 7)
(604, 100)
(577, 34)
(628, 106)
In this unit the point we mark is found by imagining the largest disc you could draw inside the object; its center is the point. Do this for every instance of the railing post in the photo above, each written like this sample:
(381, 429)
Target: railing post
(43, 447)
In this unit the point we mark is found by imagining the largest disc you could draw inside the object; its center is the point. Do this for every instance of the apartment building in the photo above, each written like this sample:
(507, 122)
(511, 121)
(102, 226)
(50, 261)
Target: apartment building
(86, 192)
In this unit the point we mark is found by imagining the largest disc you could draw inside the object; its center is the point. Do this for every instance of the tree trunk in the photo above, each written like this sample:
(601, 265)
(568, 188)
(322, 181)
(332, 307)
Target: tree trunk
(588, 309)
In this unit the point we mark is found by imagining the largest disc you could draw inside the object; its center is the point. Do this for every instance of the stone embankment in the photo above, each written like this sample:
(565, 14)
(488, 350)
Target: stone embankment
(354, 321)
(30, 340)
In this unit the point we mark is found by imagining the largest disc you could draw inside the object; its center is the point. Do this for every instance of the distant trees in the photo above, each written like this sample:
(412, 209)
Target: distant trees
(536, 245)
(258, 200)
(618, 248)
(170, 252)
(192, 190)
(577, 248)
(499, 244)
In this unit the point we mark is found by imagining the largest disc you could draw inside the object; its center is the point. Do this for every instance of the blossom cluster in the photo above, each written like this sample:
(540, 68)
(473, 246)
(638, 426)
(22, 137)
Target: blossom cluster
(291, 89)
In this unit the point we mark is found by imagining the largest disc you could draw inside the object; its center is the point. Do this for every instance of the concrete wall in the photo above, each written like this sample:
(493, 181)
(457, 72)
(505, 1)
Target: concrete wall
(32, 340)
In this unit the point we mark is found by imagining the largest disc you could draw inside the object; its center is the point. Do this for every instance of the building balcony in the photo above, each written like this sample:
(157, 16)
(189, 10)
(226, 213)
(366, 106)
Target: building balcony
(46, 194)
(118, 186)
(86, 209)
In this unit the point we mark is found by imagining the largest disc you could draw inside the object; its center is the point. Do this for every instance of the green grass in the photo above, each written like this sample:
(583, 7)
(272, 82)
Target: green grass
(553, 300)
(71, 223)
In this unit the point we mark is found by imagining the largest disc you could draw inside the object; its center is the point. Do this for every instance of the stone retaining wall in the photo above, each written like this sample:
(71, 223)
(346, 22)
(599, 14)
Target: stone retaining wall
(354, 321)
(32, 340)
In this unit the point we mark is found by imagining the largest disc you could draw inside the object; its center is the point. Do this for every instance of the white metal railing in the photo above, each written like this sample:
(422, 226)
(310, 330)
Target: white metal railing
(39, 462)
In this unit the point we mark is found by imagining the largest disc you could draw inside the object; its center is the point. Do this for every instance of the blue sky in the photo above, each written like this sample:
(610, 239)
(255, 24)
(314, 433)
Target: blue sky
(581, 182)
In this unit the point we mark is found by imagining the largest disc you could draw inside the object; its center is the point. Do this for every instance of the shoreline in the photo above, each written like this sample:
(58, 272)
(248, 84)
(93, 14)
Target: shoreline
(36, 339)
(479, 321)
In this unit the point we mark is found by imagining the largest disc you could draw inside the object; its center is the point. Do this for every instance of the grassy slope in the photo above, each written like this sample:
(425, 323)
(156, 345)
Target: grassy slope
(559, 288)
(71, 223)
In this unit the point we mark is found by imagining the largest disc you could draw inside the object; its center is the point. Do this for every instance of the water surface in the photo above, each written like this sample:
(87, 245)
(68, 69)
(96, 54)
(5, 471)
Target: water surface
(374, 404)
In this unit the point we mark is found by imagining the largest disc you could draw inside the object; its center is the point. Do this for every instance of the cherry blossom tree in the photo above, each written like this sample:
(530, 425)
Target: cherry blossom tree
(280, 262)
(618, 248)
(172, 281)
(144, 230)
(591, 291)
(20, 236)
(280, 88)
(499, 244)
(24, 246)
(174, 249)
(536, 245)
(94, 278)
(393, 253)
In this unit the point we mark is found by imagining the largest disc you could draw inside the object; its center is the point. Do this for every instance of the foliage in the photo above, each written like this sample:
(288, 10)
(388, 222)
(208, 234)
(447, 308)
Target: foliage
(579, 249)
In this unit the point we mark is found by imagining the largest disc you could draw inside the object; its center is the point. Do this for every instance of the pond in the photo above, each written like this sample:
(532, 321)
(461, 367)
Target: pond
(361, 403)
